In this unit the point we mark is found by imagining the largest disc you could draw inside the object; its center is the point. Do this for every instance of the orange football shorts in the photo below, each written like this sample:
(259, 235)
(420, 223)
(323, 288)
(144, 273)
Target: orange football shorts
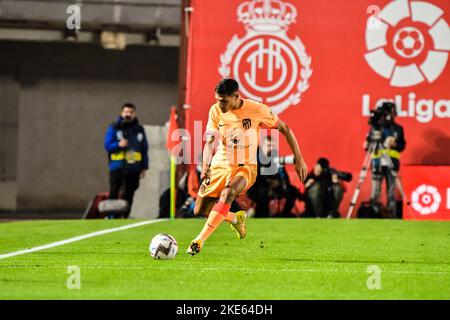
(221, 176)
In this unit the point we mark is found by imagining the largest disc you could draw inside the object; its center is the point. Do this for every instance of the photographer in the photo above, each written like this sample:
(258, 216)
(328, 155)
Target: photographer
(323, 190)
(385, 141)
(272, 182)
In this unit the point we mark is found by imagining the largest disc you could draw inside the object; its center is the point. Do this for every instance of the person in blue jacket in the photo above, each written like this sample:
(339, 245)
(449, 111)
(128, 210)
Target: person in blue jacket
(127, 148)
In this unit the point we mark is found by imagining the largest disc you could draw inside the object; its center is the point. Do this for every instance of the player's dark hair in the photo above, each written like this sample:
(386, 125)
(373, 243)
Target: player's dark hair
(128, 105)
(227, 87)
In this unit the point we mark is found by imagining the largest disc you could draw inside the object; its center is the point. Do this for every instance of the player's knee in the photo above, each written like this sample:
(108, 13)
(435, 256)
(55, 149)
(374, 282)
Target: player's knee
(228, 195)
(197, 210)
(200, 209)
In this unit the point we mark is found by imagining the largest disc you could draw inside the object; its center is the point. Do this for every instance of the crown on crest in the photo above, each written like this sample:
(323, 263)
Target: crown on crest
(266, 14)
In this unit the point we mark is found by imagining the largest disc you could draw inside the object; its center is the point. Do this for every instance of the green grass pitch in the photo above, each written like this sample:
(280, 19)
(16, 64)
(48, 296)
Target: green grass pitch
(279, 259)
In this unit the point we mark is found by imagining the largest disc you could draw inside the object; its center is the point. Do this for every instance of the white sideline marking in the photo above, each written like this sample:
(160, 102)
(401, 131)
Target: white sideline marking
(78, 238)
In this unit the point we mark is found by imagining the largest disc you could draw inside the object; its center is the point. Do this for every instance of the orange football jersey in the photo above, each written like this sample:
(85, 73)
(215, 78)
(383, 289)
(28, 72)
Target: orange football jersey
(238, 132)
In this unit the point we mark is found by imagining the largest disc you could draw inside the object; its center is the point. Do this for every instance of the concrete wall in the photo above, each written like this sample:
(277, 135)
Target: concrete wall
(69, 94)
(157, 178)
(9, 117)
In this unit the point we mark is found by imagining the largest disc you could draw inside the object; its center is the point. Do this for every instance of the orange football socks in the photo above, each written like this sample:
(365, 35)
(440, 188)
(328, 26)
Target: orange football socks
(218, 213)
(231, 217)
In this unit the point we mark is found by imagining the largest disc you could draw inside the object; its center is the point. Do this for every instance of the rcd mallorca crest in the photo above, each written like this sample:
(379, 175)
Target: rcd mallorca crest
(269, 66)
(408, 43)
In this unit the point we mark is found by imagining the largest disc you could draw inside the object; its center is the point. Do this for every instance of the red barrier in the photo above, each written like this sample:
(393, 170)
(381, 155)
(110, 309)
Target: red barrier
(428, 191)
(322, 65)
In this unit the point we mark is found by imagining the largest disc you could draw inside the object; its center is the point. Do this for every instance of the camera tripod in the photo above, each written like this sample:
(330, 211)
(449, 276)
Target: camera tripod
(374, 146)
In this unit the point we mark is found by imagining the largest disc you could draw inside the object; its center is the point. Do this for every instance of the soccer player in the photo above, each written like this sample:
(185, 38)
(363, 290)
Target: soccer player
(233, 168)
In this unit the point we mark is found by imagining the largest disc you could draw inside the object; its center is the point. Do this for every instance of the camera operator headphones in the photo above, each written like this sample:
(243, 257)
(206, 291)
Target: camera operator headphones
(389, 110)
(389, 107)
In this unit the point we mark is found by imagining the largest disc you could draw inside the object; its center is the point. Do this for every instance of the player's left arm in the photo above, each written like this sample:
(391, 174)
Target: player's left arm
(300, 164)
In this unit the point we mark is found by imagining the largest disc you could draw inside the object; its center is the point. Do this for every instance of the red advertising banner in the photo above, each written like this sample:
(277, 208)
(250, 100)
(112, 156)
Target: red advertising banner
(428, 192)
(322, 65)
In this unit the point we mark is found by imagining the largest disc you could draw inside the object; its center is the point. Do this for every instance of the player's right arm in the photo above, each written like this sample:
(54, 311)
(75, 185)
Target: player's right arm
(212, 130)
(271, 120)
(208, 152)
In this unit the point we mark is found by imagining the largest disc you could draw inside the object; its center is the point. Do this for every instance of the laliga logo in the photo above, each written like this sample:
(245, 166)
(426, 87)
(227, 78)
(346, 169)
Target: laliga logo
(409, 44)
(426, 199)
(269, 66)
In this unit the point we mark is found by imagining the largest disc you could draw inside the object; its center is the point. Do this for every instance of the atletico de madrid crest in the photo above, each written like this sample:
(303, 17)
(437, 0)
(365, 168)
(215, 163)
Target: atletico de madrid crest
(269, 66)
(246, 123)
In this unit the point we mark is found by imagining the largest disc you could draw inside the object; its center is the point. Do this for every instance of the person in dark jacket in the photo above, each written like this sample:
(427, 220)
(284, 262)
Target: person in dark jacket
(272, 182)
(386, 159)
(323, 191)
(127, 148)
